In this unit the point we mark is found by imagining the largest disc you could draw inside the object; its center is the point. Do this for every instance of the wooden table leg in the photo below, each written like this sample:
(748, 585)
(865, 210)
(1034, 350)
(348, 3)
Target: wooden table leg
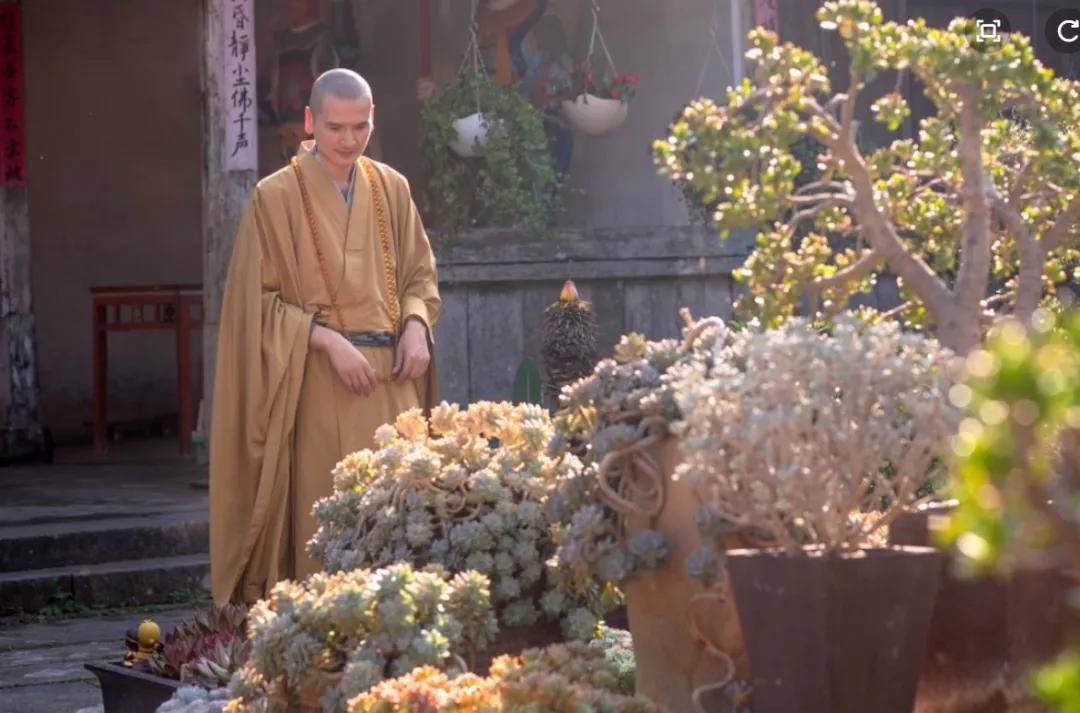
(100, 378)
(186, 418)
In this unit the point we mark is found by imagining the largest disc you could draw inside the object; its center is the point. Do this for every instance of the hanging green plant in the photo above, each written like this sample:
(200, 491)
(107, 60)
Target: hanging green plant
(508, 181)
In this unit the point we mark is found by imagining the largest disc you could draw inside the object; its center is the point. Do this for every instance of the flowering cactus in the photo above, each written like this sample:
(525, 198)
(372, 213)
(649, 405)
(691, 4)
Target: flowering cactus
(466, 491)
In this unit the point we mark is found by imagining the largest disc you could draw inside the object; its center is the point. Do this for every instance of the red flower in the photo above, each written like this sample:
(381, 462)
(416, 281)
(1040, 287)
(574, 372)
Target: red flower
(632, 78)
(615, 94)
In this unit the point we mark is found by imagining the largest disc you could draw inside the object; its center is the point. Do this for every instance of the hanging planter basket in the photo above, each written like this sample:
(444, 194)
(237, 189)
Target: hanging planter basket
(594, 116)
(471, 134)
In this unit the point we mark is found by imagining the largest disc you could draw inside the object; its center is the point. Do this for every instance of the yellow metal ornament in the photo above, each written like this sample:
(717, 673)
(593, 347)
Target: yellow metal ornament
(142, 643)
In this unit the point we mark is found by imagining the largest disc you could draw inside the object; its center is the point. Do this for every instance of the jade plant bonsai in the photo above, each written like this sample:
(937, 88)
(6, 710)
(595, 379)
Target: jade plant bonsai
(975, 215)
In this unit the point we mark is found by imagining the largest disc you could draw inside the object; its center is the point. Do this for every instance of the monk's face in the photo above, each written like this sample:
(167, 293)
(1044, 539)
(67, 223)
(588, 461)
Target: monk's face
(342, 129)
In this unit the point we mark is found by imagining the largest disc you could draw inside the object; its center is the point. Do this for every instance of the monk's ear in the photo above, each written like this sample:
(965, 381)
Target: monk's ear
(309, 121)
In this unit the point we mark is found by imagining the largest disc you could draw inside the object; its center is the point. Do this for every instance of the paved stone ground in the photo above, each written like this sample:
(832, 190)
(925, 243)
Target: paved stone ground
(41, 664)
(135, 476)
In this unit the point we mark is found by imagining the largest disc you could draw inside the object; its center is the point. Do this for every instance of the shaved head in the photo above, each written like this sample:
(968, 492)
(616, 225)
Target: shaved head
(341, 84)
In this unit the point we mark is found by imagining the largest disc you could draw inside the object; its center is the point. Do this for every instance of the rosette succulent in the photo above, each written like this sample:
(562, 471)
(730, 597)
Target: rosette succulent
(564, 678)
(627, 400)
(205, 649)
(339, 634)
(466, 490)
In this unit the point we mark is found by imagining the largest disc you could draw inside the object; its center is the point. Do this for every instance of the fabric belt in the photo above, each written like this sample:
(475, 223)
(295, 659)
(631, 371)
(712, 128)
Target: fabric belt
(370, 339)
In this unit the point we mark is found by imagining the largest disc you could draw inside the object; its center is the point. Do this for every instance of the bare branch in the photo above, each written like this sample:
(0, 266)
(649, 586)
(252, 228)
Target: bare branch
(1066, 222)
(819, 197)
(899, 310)
(883, 238)
(869, 261)
(973, 276)
(1032, 256)
(822, 185)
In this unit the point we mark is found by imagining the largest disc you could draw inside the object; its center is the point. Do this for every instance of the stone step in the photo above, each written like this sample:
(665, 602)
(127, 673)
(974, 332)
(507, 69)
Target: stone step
(134, 581)
(94, 540)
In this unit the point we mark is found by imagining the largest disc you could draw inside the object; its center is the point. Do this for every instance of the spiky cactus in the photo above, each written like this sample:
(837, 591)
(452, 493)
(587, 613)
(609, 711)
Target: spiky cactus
(568, 346)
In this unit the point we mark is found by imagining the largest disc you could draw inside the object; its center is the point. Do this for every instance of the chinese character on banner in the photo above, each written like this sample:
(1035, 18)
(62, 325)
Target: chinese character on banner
(238, 87)
(12, 103)
(767, 14)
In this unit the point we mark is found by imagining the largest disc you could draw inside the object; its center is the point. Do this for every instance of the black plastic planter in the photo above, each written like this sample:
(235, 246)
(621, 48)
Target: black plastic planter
(835, 634)
(127, 691)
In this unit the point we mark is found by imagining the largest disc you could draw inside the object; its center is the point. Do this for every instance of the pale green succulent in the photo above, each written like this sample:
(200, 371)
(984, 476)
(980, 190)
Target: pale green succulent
(467, 490)
(628, 398)
(342, 633)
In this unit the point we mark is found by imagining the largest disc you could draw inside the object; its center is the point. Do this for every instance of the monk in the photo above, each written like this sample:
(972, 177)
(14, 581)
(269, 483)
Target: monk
(330, 299)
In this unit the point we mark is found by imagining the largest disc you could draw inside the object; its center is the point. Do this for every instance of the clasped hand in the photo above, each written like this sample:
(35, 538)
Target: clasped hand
(411, 357)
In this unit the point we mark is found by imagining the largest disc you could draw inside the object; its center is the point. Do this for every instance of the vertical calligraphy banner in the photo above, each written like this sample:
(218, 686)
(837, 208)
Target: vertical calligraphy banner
(12, 96)
(241, 130)
(767, 14)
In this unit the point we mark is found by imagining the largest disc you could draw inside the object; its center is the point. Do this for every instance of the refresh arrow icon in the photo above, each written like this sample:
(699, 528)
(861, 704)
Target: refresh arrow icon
(1063, 31)
(1075, 25)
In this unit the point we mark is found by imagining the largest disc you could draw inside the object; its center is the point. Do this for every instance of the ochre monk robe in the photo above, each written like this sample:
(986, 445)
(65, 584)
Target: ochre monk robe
(290, 396)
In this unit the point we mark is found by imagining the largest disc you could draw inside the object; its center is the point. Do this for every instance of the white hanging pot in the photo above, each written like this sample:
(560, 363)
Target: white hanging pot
(594, 116)
(471, 134)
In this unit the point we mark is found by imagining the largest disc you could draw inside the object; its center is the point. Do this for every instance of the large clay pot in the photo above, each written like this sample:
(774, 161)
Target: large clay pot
(594, 116)
(663, 611)
(835, 633)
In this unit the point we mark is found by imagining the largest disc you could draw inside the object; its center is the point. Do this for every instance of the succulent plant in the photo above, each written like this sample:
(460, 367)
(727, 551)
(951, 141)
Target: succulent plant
(195, 699)
(215, 659)
(205, 649)
(564, 678)
(628, 400)
(814, 437)
(467, 490)
(339, 634)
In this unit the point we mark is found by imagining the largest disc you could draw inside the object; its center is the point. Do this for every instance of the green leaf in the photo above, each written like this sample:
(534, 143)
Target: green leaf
(526, 383)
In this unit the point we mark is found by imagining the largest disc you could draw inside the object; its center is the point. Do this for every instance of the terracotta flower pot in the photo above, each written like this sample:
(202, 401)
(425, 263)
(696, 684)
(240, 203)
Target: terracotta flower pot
(666, 606)
(835, 634)
(594, 116)
(471, 133)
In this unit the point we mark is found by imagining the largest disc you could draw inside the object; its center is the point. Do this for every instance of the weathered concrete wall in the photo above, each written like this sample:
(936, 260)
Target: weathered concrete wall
(114, 166)
(495, 287)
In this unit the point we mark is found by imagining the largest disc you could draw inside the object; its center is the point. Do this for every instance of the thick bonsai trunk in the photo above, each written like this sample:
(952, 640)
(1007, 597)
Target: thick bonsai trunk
(959, 329)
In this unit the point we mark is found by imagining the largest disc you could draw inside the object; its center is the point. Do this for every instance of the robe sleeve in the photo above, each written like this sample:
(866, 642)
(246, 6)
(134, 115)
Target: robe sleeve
(418, 282)
(262, 347)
